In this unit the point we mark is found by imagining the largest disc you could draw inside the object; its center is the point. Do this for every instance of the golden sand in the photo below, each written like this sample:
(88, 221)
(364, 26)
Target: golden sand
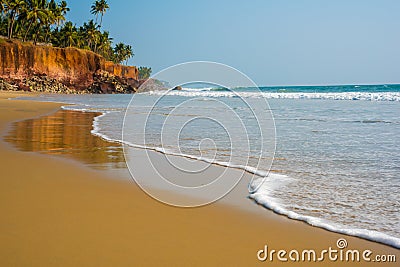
(57, 212)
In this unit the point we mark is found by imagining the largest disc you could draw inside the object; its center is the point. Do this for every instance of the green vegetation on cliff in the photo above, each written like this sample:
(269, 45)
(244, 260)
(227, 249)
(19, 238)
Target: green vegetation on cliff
(43, 21)
(144, 73)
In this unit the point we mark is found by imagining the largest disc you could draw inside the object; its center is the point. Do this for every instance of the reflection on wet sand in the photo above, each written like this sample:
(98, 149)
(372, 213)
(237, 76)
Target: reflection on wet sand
(67, 132)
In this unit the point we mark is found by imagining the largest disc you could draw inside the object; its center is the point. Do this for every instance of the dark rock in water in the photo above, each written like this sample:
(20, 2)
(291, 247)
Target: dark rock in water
(151, 85)
(177, 88)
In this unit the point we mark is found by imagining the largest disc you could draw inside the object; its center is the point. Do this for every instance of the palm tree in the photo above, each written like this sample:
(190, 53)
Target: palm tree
(119, 52)
(56, 15)
(59, 11)
(3, 4)
(51, 9)
(99, 7)
(80, 38)
(15, 7)
(62, 11)
(122, 52)
(3, 14)
(70, 34)
(104, 47)
(90, 30)
(128, 53)
(144, 73)
(36, 13)
(94, 10)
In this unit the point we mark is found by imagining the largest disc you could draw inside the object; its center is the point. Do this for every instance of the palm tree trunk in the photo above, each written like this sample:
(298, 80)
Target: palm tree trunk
(36, 37)
(47, 34)
(10, 31)
(9, 26)
(37, 34)
(26, 33)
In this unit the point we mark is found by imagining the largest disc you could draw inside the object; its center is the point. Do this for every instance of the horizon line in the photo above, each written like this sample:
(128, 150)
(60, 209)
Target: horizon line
(333, 84)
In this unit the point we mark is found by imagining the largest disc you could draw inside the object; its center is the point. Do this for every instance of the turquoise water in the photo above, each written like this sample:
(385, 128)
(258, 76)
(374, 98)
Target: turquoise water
(331, 89)
(337, 157)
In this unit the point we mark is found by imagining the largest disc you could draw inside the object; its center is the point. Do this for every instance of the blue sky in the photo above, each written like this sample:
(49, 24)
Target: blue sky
(280, 42)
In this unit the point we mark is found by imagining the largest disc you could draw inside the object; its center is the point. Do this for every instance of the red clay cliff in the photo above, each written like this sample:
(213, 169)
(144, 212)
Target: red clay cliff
(76, 69)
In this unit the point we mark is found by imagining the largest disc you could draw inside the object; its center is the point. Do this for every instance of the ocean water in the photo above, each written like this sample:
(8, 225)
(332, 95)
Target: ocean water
(337, 159)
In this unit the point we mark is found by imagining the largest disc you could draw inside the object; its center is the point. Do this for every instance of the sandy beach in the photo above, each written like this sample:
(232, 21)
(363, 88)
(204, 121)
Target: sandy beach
(57, 211)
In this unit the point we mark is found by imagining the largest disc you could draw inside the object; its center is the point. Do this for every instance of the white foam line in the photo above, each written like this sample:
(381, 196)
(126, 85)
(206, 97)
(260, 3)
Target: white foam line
(262, 196)
(96, 131)
(368, 96)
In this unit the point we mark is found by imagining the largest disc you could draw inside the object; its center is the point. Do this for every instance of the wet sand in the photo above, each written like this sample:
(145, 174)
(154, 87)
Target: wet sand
(58, 211)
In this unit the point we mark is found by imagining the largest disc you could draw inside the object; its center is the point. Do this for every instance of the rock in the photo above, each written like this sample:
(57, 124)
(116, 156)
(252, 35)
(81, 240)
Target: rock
(151, 85)
(7, 86)
(107, 83)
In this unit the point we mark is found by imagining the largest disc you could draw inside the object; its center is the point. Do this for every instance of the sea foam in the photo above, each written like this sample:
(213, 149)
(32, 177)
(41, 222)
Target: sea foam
(271, 181)
(368, 96)
(263, 196)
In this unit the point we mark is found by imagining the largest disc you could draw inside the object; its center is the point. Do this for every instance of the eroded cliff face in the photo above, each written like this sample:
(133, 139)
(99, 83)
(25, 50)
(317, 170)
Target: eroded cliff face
(75, 68)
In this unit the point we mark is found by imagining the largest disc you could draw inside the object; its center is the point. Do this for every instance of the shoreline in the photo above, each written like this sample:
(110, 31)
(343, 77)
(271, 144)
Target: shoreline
(125, 202)
(259, 200)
